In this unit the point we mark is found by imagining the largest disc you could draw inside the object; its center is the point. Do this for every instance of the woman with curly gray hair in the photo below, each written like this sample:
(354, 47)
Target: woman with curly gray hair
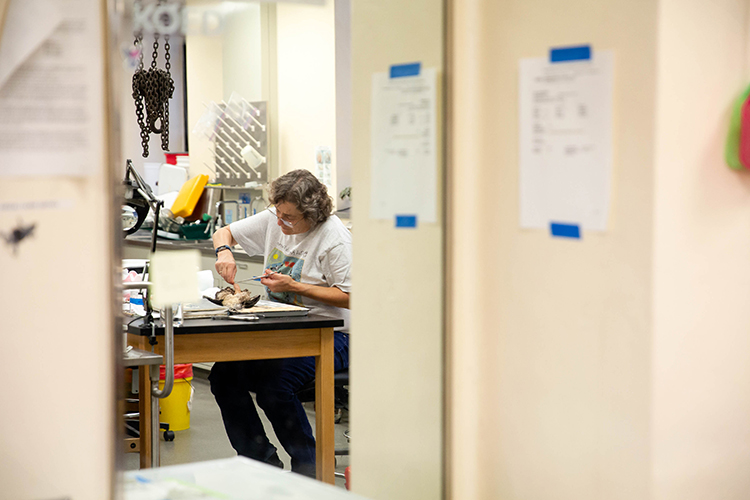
(307, 253)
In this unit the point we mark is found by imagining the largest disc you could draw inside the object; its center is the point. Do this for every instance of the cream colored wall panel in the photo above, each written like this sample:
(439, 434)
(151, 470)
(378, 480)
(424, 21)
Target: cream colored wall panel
(619, 361)
(397, 329)
(58, 372)
(306, 83)
(58, 369)
(205, 83)
(555, 357)
(241, 58)
(701, 374)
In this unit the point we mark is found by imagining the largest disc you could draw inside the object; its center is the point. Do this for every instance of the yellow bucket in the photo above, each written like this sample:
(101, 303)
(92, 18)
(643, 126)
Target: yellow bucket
(175, 408)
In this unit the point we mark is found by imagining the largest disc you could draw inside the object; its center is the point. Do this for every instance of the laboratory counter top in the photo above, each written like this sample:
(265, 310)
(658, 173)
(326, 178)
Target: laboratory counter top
(190, 326)
(142, 238)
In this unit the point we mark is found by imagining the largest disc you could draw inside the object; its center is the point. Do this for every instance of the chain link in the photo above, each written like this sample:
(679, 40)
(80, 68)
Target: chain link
(167, 55)
(139, 46)
(155, 53)
(138, 102)
(170, 90)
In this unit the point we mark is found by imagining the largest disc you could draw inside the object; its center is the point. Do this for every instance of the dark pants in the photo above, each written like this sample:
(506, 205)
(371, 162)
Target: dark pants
(275, 383)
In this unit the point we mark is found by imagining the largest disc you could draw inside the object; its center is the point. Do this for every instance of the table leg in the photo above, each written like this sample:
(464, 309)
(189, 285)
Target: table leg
(144, 415)
(324, 408)
(155, 451)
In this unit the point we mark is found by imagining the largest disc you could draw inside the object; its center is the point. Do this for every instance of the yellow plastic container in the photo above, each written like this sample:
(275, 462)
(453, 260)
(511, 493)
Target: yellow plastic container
(188, 196)
(175, 408)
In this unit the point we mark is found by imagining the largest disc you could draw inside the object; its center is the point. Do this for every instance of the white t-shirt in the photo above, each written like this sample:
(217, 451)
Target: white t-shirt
(321, 256)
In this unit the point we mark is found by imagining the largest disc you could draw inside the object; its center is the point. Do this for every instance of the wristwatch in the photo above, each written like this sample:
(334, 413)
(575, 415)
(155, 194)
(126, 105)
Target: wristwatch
(222, 247)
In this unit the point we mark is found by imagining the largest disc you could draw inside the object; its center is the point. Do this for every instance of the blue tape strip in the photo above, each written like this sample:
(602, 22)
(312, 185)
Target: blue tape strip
(406, 221)
(401, 70)
(565, 54)
(565, 230)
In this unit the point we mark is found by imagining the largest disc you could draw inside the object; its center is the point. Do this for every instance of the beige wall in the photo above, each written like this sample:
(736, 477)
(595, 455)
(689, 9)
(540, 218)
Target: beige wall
(396, 346)
(205, 83)
(306, 79)
(614, 366)
(241, 56)
(57, 426)
(701, 281)
(550, 338)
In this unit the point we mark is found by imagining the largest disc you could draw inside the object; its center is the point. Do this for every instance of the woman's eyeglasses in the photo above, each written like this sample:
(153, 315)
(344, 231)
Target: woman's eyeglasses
(285, 219)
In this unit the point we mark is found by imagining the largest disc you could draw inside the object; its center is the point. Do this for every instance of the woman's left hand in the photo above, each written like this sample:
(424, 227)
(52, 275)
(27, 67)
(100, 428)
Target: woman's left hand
(279, 282)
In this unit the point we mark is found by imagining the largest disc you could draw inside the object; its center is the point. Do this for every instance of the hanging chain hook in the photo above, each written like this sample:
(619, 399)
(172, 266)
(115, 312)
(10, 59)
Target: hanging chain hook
(152, 90)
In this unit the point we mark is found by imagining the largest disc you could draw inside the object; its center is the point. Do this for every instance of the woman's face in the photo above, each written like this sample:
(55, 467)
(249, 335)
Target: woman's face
(290, 219)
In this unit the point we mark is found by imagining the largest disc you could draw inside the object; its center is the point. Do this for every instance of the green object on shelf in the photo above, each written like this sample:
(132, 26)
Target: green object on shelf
(195, 231)
(732, 147)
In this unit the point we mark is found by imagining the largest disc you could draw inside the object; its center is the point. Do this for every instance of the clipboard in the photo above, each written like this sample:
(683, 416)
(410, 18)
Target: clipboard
(271, 309)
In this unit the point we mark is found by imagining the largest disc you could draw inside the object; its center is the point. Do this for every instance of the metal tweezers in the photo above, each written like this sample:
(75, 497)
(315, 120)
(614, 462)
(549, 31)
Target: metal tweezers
(255, 278)
(247, 317)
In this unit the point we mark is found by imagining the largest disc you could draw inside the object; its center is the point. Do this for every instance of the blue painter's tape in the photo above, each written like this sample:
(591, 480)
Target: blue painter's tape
(406, 221)
(565, 230)
(565, 54)
(401, 70)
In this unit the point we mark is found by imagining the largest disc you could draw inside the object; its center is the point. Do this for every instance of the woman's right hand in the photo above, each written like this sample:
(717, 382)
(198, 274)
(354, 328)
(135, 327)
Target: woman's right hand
(226, 266)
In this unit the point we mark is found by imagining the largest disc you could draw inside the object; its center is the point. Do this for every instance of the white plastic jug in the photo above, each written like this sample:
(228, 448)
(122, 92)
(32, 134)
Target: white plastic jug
(171, 178)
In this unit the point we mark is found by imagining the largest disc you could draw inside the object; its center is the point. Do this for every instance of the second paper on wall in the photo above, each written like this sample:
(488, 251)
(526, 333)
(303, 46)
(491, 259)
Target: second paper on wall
(565, 141)
(404, 146)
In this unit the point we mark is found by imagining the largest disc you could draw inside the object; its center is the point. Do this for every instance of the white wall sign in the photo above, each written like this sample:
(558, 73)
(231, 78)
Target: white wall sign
(51, 89)
(403, 164)
(565, 134)
(174, 275)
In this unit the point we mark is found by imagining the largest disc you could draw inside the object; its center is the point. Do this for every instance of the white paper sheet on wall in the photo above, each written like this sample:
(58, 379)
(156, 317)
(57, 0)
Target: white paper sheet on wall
(565, 141)
(403, 164)
(51, 89)
(174, 275)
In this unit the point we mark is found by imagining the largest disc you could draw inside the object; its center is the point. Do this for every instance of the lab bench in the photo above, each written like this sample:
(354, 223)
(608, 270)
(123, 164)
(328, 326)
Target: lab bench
(138, 245)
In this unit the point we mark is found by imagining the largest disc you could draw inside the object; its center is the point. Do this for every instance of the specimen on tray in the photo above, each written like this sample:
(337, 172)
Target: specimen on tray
(227, 297)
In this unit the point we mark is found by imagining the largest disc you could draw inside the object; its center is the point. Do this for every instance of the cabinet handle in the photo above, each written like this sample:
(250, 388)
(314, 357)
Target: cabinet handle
(242, 266)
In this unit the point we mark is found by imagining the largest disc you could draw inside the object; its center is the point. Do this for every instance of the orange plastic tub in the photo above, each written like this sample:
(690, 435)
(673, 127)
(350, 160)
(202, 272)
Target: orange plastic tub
(189, 195)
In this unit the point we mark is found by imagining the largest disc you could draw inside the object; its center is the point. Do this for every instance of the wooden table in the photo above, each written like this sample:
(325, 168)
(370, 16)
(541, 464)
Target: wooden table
(206, 340)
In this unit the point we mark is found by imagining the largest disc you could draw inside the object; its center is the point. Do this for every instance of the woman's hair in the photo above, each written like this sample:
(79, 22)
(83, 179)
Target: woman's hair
(306, 192)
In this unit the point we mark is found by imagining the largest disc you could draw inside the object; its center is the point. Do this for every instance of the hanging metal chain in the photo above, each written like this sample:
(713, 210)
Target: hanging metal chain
(167, 55)
(155, 53)
(165, 119)
(139, 102)
(152, 89)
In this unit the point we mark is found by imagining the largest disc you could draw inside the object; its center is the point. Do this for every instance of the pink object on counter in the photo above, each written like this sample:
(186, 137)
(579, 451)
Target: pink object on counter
(744, 146)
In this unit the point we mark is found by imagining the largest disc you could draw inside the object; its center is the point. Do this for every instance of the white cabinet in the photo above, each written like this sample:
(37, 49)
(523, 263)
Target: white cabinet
(245, 270)
(134, 252)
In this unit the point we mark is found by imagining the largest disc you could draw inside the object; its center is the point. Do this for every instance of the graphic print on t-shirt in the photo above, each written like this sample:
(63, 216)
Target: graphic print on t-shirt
(291, 266)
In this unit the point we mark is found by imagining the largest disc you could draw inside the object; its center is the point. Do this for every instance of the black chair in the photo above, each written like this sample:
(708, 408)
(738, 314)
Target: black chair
(306, 394)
